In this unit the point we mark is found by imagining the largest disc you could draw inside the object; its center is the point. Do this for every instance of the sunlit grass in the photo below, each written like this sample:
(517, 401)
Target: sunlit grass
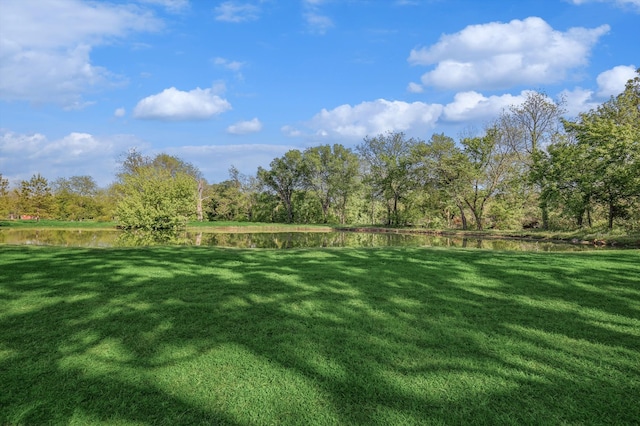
(341, 336)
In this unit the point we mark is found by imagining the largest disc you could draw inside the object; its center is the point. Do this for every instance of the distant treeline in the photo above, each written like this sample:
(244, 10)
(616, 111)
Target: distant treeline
(529, 167)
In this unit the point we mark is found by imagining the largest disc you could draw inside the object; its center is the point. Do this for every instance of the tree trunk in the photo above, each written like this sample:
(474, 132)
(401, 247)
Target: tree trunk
(396, 219)
(289, 212)
(199, 201)
(611, 213)
(545, 215)
(463, 217)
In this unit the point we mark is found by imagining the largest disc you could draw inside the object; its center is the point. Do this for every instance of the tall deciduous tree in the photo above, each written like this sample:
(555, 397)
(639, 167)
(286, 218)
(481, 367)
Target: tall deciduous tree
(5, 199)
(76, 197)
(388, 164)
(529, 128)
(610, 137)
(284, 178)
(330, 173)
(491, 166)
(234, 198)
(566, 179)
(34, 197)
(441, 165)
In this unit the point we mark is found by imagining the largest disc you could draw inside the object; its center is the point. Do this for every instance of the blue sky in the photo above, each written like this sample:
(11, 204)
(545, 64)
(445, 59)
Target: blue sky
(240, 82)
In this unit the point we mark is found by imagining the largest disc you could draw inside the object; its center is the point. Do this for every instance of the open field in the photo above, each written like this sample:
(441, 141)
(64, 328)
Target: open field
(343, 336)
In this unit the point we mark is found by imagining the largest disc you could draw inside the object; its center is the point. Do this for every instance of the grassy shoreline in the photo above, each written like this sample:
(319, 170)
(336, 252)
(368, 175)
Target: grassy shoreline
(337, 336)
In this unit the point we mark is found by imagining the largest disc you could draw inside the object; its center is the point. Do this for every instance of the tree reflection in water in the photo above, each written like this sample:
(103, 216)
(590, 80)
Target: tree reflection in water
(140, 238)
(267, 240)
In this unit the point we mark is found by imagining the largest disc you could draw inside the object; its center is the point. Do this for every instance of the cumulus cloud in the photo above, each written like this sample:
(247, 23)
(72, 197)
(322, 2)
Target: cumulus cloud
(245, 127)
(119, 112)
(53, 64)
(415, 88)
(501, 55)
(612, 82)
(24, 155)
(577, 101)
(371, 118)
(231, 11)
(473, 106)
(175, 105)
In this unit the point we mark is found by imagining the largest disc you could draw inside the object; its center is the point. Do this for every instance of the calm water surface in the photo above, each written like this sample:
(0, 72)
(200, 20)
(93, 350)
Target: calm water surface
(272, 240)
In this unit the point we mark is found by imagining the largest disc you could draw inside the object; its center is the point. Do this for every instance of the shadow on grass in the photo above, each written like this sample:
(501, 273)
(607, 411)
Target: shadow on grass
(368, 336)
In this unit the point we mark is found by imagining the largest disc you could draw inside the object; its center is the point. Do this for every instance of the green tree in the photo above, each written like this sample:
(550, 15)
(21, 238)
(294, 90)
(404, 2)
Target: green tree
(35, 198)
(5, 200)
(566, 180)
(331, 174)
(610, 137)
(228, 200)
(444, 168)
(4, 186)
(491, 167)
(75, 198)
(387, 161)
(284, 178)
(528, 129)
(155, 194)
(175, 165)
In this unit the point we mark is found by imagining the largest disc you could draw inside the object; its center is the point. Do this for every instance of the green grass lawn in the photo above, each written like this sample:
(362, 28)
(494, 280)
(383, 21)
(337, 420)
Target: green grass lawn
(342, 336)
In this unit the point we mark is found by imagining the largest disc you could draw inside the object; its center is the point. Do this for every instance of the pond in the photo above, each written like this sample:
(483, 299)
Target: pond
(269, 240)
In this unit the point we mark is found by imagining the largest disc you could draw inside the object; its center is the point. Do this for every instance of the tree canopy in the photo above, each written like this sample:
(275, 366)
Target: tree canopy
(156, 194)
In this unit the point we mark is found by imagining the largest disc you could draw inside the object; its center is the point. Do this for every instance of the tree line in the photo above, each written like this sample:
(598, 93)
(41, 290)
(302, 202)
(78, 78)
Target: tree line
(529, 167)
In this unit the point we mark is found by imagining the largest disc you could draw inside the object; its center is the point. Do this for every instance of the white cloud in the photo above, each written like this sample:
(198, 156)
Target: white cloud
(577, 101)
(498, 55)
(175, 105)
(612, 82)
(620, 3)
(228, 64)
(317, 23)
(45, 50)
(231, 11)
(119, 112)
(415, 88)
(245, 127)
(73, 155)
(291, 131)
(372, 118)
(473, 106)
(174, 6)
(77, 154)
